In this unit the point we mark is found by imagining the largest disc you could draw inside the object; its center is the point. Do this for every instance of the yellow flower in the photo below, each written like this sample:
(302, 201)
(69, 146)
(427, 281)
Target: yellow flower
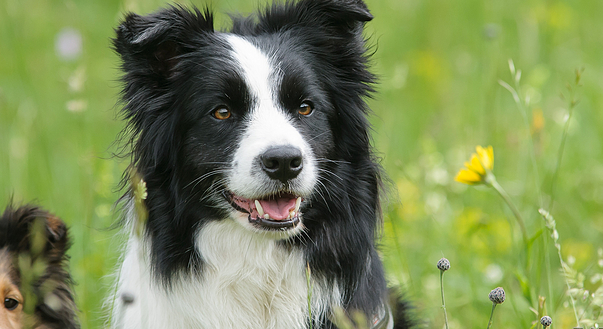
(139, 192)
(478, 167)
(140, 188)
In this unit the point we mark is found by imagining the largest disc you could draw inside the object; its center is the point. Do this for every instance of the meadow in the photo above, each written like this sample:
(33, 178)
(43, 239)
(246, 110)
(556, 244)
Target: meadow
(442, 67)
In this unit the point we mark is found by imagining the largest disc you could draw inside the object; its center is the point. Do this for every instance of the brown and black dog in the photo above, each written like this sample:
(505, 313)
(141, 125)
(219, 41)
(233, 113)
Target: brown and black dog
(35, 285)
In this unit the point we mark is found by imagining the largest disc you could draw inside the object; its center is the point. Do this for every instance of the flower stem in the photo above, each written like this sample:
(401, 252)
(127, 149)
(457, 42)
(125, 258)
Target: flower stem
(491, 315)
(443, 302)
(503, 194)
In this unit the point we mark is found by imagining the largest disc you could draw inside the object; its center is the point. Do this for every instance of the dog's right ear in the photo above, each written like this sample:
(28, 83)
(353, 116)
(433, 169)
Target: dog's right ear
(150, 46)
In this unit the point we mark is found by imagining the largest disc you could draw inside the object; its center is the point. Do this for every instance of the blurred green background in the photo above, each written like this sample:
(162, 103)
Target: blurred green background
(439, 96)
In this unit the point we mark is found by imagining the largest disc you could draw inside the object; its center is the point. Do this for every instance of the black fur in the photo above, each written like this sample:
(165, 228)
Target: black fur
(176, 71)
(16, 237)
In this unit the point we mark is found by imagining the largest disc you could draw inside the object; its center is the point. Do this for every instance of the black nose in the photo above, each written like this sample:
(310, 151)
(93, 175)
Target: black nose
(282, 162)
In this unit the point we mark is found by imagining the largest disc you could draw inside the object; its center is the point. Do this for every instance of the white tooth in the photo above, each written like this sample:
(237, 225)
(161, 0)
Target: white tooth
(258, 206)
(266, 216)
(297, 203)
(291, 214)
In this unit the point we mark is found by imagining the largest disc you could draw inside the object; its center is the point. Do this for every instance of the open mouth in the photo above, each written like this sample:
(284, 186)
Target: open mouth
(274, 212)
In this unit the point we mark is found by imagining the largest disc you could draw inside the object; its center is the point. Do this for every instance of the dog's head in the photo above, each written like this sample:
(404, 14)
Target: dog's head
(33, 272)
(246, 124)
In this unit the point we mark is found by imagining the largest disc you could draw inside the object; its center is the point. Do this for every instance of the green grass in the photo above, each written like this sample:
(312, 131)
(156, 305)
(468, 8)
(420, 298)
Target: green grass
(439, 64)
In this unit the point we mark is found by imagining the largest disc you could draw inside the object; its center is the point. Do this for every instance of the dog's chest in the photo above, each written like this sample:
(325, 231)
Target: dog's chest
(249, 281)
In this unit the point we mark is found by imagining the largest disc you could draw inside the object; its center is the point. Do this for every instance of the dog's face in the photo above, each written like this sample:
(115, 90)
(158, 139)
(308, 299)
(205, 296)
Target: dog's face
(265, 121)
(247, 121)
(12, 306)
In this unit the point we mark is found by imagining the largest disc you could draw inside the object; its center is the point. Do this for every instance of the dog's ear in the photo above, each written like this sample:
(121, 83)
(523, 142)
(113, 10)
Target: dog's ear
(57, 239)
(30, 225)
(338, 16)
(340, 11)
(56, 229)
(150, 45)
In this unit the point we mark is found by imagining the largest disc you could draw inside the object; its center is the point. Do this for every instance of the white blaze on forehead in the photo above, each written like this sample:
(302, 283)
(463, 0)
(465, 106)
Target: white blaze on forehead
(267, 124)
(256, 66)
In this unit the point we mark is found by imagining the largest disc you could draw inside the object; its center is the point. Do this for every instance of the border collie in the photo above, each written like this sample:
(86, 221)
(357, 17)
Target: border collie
(33, 271)
(262, 192)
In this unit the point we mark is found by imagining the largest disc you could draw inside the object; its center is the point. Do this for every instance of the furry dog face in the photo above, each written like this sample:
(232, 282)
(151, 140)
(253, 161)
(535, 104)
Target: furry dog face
(267, 134)
(33, 265)
(254, 129)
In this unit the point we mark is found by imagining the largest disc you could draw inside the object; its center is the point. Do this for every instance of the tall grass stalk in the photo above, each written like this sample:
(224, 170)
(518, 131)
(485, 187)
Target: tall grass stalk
(522, 103)
(572, 102)
(32, 267)
(551, 225)
(547, 262)
(310, 287)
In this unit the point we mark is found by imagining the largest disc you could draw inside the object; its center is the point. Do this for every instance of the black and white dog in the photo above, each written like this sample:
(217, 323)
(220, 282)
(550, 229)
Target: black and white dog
(263, 192)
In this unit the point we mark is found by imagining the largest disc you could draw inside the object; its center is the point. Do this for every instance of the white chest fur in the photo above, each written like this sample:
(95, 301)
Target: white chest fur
(248, 282)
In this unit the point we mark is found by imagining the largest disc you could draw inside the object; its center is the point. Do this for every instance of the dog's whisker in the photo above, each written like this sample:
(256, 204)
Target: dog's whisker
(325, 160)
(319, 135)
(318, 191)
(213, 188)
(194, 187)
(326, 171)
(305, 236)
(197, 180)
(327, 190)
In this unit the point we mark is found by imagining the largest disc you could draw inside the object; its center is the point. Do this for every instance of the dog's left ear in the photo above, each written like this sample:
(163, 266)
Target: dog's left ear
(337, 16)
(341, 10)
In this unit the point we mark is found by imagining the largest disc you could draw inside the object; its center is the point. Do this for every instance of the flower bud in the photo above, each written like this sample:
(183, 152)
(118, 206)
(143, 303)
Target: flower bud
(497, 296)
(443, 264)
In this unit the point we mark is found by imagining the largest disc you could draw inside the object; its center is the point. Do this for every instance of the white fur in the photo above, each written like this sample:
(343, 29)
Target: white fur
(268, 126)
(248, 281)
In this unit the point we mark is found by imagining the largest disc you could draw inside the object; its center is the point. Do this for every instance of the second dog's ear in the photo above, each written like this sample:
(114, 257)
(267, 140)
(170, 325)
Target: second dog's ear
(57, 230)
(150, 45)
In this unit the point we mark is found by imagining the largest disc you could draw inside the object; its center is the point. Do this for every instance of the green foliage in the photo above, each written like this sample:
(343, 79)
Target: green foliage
(439, 63)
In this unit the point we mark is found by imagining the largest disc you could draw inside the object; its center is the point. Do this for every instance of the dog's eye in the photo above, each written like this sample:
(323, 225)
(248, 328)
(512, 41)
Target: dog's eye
(221, 113)
(11, 304)
(305, 108)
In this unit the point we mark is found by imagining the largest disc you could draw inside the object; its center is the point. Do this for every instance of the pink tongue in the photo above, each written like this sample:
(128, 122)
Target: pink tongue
(278, 209)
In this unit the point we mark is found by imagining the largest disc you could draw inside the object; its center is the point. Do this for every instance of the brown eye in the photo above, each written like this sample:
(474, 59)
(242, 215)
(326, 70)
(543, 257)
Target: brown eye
(221, 113)
(11, 304)
(305, 108)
